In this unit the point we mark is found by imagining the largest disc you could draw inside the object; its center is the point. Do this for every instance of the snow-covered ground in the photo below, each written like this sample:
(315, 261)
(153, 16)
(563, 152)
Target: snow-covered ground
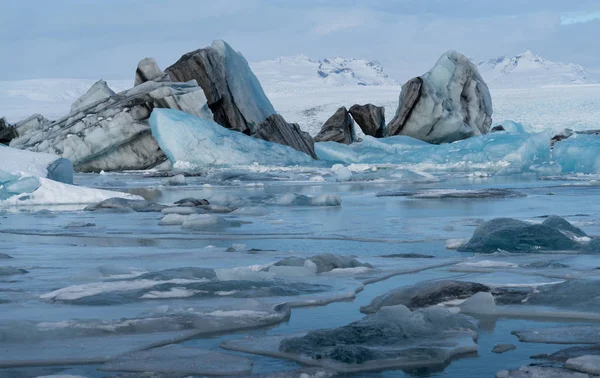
(556, 107)
(528, 70)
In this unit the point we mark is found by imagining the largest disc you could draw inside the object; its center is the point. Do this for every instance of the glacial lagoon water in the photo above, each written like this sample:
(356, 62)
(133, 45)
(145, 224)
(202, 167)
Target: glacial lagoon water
(91, 290)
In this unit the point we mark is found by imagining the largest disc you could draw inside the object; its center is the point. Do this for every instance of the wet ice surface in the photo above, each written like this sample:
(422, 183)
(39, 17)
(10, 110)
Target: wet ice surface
(80, 288)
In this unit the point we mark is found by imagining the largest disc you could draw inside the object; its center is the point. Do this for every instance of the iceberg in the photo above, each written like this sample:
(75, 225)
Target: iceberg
(502, 153)
(578, 154)
(449, 103)
(110, 132)
(234, 94)
(236, 97)
(201, 142)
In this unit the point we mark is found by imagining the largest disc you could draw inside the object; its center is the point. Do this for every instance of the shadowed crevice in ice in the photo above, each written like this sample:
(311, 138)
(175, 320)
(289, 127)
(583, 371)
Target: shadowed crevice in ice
(455, 194)
(512, 235)
(425, 294)
(127, 204)
(395, 337)
(320, 264)
(176, 359)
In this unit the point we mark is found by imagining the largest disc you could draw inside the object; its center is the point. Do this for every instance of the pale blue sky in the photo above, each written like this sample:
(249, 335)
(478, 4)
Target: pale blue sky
(106, 38)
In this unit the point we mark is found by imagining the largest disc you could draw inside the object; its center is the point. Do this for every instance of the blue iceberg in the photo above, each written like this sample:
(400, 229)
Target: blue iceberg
(202, 142)
(497, 152)
(578, 154)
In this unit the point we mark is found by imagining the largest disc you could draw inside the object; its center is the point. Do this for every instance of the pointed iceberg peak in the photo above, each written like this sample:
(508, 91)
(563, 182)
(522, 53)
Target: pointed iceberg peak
(99, 92)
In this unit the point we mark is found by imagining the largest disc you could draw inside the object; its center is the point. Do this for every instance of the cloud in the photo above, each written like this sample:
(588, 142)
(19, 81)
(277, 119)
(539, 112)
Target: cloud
(106, 39)
(579, 18)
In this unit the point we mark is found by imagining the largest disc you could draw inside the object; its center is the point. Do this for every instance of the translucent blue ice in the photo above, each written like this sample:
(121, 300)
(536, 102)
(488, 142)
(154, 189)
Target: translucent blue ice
(201, 142)
(578, 154)
(499, 152)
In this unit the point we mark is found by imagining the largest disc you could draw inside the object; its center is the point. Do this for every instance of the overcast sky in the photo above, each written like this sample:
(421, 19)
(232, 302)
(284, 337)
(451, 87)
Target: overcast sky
(106, 38)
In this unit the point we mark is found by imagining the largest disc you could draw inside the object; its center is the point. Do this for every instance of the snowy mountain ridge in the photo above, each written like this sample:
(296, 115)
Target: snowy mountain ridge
(337, 71)
(530, 70)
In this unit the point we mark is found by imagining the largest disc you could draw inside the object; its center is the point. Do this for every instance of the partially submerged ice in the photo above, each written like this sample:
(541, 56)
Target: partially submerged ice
(449, 103)
(394, 337)
(512, 235)
(176, 359)
(501, 153)
(320, 263)
(578, 154)
(236, 97)
(201, 142)
(425, 294)
(189, 282)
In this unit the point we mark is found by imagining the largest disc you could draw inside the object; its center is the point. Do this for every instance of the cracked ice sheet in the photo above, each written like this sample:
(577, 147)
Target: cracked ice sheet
(175, 359)
(84, 350)
(461, 343)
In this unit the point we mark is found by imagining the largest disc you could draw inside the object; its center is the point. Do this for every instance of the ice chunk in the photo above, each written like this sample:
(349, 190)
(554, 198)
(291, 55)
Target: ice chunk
(449, 103)
(83, 349)
(455, 243)
(502, 153)
(257, 211)
(516, 236)
(206, 221)
(540, 372)
(323, 263)
(503, 348)
(138, 205)
(561, 335)
(578, 154)
(425, 294)
(177, 180)
(56, 193)
(481, 303)
(97, 93)
(22, 185)
(342, 173)
(202, 142)
(394, 337)
(36, 164)
(292, 199)
(572, 294)
(176, 359)
(172, 220)
(299, 373)
(584, 364)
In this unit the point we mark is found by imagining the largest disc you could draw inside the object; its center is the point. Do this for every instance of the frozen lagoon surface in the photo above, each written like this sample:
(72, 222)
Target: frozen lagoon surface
(86, 293)
(100, 284)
